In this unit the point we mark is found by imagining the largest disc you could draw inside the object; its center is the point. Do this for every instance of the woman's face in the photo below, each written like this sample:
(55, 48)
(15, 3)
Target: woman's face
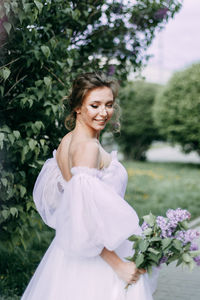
(97, 108)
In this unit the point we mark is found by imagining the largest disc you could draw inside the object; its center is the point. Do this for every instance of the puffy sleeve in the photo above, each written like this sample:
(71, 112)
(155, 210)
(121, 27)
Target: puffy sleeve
(47, 192)
(92, 215)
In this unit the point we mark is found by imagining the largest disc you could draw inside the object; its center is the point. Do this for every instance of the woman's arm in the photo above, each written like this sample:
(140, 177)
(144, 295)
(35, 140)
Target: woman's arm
(111, 258)
(125, 270)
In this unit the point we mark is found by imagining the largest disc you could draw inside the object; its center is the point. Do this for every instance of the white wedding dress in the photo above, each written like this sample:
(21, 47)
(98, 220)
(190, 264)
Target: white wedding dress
(88, 213)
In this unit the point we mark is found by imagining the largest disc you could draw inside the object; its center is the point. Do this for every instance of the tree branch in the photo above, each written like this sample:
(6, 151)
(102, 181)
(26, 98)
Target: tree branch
(59, 80)
(11, 62)
(12, 87)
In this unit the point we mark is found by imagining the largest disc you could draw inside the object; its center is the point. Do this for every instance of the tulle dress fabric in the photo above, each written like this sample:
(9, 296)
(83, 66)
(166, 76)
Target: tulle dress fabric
(88, 213)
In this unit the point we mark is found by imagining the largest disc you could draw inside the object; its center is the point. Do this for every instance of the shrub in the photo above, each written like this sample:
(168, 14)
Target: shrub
(177, 109)
(137, 126)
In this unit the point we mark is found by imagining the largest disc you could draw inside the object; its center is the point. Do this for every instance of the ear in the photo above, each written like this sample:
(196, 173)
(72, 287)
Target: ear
(77, 110)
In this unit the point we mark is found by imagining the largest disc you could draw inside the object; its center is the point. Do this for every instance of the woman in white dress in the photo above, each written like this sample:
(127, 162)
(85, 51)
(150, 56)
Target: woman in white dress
(79, 192)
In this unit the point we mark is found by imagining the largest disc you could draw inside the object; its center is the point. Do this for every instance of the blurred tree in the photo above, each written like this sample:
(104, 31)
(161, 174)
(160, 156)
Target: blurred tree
(177, 109)
(43, 45)
(137, 126)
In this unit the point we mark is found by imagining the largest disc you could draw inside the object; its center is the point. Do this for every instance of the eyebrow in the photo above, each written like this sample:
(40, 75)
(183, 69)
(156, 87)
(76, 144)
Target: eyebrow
(97, 101)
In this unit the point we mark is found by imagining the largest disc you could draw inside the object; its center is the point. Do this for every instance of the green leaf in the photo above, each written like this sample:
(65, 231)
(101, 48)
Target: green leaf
(191, 265)
(166, 242)
(5, 73)
(11, 138)
(186, 257)
(7, 7)
(150, 219)
(134, 238)
(22, 191)
(29, 205)
(62, 65)
(156, 252)
(139, 260)
(38, 83)
(148, 231)
(42, 142)
(2, 90)
(5, 213)
(129, 258)
(7, 26)
(47, 81)
(27, 7)
(184, 225)
(14, 211)
(39, 125)
(16, 133)
(155, 239)
(149, 269)
(172, 258)
(1, 136)
(4, 181)
(23, 243)
(6, 128)
(195, 253)
(155, 258)
(70, 61)
(178, 245)
(39, 5)
(179, 262)
(32, 143)
(46, 51)
(24, 152)
(143, 245)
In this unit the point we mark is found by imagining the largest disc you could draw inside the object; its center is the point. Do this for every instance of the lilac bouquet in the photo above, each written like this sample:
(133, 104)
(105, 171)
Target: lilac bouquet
(164, 240)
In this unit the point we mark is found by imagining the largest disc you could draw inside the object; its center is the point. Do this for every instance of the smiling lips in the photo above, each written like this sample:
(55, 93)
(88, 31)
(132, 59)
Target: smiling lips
(101, 121)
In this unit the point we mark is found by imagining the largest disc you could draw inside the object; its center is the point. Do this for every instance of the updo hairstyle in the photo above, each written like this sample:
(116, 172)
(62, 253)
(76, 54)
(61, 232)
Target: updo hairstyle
(81, 86)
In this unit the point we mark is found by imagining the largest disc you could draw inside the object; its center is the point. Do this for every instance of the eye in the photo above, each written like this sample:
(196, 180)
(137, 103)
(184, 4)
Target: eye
(94, 106)
(110, 105)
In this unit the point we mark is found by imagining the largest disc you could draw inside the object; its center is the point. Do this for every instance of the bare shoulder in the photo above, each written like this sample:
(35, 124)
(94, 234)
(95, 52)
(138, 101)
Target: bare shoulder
(62, 151)
(86, 153)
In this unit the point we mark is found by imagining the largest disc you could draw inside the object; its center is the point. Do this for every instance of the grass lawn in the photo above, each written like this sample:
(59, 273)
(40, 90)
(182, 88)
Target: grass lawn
(156, 187)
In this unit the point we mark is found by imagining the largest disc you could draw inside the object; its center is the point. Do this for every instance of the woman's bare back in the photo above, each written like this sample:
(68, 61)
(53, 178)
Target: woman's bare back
(67, 148)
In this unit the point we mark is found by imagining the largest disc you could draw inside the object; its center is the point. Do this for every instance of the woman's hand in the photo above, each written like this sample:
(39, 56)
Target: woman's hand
(128, 272)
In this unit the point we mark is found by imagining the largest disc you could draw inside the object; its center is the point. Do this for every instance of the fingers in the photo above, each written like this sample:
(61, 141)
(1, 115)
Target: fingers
(141, 271)
(136, 276)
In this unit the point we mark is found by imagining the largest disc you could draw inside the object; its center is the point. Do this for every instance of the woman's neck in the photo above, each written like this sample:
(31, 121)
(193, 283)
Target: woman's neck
(86, 131)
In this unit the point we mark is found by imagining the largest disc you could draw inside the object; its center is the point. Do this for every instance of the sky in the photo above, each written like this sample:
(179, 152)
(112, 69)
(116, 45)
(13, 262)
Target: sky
(177, 46)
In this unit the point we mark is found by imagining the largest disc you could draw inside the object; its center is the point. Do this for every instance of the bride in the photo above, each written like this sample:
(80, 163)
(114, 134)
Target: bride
(80, 193)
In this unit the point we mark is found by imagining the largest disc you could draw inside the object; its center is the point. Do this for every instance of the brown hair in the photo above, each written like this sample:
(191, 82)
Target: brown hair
(84, 83)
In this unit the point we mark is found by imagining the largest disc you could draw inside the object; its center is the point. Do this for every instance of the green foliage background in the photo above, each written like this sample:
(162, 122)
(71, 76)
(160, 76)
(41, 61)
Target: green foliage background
(177, 109)
(138, 128)
(44, 45)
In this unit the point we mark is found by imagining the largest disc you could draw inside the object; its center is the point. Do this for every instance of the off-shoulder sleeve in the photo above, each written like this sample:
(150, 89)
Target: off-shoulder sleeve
(92, 215)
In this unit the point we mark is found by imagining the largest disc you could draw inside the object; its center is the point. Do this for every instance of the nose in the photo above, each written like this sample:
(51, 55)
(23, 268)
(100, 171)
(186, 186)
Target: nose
(103, 111)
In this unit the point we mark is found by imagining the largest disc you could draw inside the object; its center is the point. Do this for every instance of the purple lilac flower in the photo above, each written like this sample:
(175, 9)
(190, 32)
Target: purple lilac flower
(180, 236)
(161, 13)
(163, 260)
(144, 226)
(165, 226)
(111, 70)
(194, 247)
(191, 235)
(187, 236)
(197, 260)
(177, 215)
(161, 222)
